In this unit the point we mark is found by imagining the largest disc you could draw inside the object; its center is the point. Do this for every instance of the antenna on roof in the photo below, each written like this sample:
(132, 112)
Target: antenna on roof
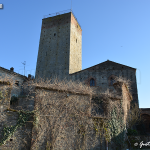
(24, 66)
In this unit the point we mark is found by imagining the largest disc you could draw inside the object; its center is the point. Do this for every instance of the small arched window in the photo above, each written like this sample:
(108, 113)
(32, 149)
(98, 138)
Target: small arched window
(92, 82)
(112, 80)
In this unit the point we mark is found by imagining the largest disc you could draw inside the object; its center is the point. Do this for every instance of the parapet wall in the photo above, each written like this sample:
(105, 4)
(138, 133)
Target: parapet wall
(62, 113)
(62, 118)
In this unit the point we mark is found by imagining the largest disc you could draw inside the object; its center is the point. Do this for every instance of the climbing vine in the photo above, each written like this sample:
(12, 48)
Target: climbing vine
(117, 126)
(22, 119)
(113, 128)
(1, 95)
(101, 125)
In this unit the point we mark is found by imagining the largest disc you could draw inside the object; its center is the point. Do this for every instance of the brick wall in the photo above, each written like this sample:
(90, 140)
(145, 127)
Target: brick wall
(58, 49)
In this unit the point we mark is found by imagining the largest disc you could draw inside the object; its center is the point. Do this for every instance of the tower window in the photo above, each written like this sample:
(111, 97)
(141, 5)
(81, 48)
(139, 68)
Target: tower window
(54, 34)
(17, 83)
(76, 40)
(112, 80)
(77, 26)
(92, 82)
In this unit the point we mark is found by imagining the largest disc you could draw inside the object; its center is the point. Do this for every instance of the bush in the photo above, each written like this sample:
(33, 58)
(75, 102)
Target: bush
(132, 132)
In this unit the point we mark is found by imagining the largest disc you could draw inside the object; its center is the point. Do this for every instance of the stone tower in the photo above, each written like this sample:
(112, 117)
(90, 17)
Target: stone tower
(60, 47)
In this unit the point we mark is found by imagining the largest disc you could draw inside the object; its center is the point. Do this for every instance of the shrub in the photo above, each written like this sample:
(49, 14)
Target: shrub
(132, 132)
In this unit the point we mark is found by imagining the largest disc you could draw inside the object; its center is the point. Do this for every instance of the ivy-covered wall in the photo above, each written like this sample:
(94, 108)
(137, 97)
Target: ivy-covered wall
(67, 119)
(15, 125)
(64, 121)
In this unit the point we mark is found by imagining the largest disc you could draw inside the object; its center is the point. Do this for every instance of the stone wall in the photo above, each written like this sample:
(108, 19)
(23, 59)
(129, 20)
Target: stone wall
(102, 72)
(21, 139)
(63, 118)
(58, 49)
(75, 54)
(5, 95)
(69, 113)
(13, 77)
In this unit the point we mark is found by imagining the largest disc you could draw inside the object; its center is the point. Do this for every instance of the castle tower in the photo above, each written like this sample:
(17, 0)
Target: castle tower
(60, 47)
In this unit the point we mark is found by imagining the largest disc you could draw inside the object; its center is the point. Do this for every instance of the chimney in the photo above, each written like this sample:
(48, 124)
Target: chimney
(12, 69)
(29, 76)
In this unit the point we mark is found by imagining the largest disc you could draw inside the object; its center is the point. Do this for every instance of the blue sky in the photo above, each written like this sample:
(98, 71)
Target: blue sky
(118, 30)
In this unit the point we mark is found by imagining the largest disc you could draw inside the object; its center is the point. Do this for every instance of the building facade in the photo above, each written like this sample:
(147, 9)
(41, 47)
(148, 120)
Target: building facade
(16, 78)
(60, 47)
(60, 54)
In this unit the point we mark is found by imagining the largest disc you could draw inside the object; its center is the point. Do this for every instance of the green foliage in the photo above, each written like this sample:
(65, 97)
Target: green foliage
(14, 99)
(1, 95)
(8, 131)
(132, 132)
(23, 117)
(117, 126)
(48, 145)
(99, 126)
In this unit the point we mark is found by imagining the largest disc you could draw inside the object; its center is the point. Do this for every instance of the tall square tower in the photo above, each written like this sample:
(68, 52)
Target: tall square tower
(60, 47)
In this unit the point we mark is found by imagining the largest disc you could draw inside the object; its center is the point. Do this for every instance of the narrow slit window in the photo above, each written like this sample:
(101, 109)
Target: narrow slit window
(17, 83)
(112, 80)
(92, 82)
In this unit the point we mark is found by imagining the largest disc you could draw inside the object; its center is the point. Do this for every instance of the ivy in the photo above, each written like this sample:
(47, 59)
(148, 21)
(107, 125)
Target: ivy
(114, 127)
(101, 125)
(117, 127)
(1, 95)
(132, 132)
(22, 119)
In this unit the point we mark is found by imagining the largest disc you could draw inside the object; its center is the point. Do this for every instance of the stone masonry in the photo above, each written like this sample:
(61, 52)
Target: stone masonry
(60, 54)
(60, 47)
